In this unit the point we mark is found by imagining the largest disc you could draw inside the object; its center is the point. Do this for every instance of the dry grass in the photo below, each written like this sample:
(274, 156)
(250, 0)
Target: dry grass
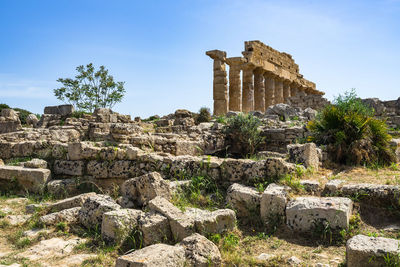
(353, 175)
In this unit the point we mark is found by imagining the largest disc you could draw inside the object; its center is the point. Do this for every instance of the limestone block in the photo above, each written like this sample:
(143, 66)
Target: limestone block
(276, 167)
(305, 154)
(282, 110)
(155, 229)
(64, 187)
(33, 180)
(82, 150)
(181, 225)
(62, 110)
(192, 148)
(120, 169)
(303, 213)
(67, 215)
(374, 192)
(144, 188)
(105, 115)
(118, 225)
(244, 200)
(9, 126)
(154, 255)
(333, 186)
(91, 213)
(273, 204)
(72, 202)
(9, 114)
(164, 123)
(36, 163)
(69, 167)
(31, 119)
(97, 169)
(200, 251)
(311, 186)
(368, 251)
(207, 222)
(233, 170)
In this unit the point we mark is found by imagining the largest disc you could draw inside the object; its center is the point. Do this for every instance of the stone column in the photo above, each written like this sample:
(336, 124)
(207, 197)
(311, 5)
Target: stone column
(220, 82)
(259, 90)
(269, 90)
(235, 87)
(248, 89)
(278, 90)
(286, 90)
(293, 89)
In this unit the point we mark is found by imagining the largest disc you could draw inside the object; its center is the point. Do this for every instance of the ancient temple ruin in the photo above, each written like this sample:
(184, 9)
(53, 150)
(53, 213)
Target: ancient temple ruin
(268, 77)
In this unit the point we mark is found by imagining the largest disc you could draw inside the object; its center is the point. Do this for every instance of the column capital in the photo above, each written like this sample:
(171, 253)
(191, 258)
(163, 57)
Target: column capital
(235, 61)
(216, 54)
(259, 71)
(279, 79)
(287, 82)
(248, 66)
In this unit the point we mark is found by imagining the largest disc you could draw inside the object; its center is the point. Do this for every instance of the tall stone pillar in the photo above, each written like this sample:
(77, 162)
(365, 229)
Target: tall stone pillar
(286, 90)
(220, 82)
(235, 87)
(259, 90)
(269, 90)
(293, 89)
(278, 90)
(248, 89)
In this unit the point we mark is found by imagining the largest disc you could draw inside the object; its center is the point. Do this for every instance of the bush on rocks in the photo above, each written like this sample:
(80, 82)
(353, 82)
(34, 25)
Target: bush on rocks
(243, 135)
(351, 134)
(203, 116)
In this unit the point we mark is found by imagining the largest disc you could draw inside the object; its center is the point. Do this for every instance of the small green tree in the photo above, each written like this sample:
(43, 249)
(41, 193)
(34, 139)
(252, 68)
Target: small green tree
(243, 135)
(90, 89)
(204, 115)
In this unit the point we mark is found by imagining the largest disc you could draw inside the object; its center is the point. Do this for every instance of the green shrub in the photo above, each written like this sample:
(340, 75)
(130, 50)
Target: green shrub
(243, 135)
(351, 133)
(3, 106)
(204, 115)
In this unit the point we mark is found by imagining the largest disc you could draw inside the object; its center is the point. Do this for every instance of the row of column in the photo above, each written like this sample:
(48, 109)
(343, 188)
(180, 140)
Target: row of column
(258, 90)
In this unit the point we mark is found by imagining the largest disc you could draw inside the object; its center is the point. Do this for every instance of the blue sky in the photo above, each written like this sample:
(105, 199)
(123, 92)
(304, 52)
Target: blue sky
(158, 47)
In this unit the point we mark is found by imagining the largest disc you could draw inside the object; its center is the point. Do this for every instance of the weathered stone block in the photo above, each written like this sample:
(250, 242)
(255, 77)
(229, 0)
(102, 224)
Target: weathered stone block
(273, 204)
(69, 167)
(36, 163)
(62, 110)
(368, 251)
(200, 251)
(76, 201)
(154, 255)
(117, 225)
(155, 229)
(64, 187)
(91, 214)
(144, 188)
(276, 167)
(67, 215)
(305, 154)
(33, 180)
(208, 222)
(303, 213)
(181, 225)
(244, 200)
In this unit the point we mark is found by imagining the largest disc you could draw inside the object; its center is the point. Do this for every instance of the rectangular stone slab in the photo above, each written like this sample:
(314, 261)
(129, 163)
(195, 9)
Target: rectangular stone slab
(303, 213)
(33, 180)
(363, 251)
